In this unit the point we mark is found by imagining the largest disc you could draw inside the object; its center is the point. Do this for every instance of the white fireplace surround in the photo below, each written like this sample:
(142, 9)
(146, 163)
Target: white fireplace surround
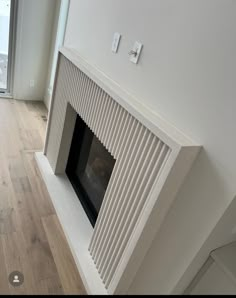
(152, 160)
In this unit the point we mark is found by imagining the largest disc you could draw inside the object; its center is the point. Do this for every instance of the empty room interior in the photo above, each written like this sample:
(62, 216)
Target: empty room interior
(117, 135)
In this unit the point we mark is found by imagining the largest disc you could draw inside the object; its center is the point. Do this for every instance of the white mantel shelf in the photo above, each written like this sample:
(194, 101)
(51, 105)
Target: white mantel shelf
(75, 224)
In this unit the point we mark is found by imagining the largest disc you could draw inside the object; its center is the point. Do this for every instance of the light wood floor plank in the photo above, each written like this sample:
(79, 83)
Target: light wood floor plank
(66, 267)
(51, 286)
(4, 287)
(13, 256)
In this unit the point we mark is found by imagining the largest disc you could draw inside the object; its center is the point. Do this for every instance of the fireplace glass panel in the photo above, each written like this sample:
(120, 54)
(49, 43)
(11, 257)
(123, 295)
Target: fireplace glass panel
(89, 168)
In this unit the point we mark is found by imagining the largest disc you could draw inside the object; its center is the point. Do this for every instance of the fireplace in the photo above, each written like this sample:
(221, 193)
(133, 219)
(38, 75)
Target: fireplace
(89, 168)
(149, 161)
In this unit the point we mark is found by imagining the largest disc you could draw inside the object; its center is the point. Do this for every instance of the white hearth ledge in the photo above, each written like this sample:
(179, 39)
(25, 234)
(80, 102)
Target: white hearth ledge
(74, 222)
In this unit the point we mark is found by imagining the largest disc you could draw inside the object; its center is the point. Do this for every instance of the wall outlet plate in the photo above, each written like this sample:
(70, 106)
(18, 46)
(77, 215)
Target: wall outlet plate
(115, 42)
(136, 51)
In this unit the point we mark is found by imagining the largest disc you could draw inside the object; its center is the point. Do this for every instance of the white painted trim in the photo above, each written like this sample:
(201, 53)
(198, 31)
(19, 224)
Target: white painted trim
(225, 258)
(18, 48)
(51, 104)
(75, 224)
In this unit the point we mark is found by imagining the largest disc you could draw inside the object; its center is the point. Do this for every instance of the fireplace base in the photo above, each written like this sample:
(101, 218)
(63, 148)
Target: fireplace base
(77, 228)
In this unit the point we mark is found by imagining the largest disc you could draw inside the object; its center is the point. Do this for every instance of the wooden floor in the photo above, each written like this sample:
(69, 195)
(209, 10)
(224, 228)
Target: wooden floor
(31, 238)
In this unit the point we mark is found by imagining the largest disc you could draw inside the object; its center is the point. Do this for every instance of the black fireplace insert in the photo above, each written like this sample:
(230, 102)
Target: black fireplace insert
(89, 168)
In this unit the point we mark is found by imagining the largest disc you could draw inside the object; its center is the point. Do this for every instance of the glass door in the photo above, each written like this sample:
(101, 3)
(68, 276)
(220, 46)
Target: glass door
(7, 17)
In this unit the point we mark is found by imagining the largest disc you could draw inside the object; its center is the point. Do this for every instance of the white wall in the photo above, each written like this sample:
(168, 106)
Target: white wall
(57, 39)
(187, 74)
(34, 29)
(48, 86)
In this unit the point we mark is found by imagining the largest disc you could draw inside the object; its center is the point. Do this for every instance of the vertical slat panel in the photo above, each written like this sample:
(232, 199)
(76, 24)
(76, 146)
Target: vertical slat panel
(127, 196)
(88, 91)
(85, 98)
(70, 83)
(107, 120)
(78, 104)
(122, 187)
(121, 137)
(103, 114)
(117, 187)
(99, 111)
(130, 214)
(108, 107)
(82, 98)
(96, 105)
(131, 130)
(91, 101)
(110, 121)
(114, 126)
(74, 83)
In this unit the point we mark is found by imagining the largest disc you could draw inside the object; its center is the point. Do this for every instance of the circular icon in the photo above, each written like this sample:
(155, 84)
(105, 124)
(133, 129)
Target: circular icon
(16, 278)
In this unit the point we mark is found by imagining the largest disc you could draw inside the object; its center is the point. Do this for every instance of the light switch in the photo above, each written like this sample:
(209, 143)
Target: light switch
(115, 42)
(135, 52)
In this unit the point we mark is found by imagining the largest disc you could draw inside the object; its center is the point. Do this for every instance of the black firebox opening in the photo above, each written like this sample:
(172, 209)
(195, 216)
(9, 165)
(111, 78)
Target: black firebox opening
(89, 169)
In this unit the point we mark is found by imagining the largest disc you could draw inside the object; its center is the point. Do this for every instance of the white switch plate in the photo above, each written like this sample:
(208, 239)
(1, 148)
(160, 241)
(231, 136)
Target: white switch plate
(115, 42)
(32, 83)
(137, 48)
